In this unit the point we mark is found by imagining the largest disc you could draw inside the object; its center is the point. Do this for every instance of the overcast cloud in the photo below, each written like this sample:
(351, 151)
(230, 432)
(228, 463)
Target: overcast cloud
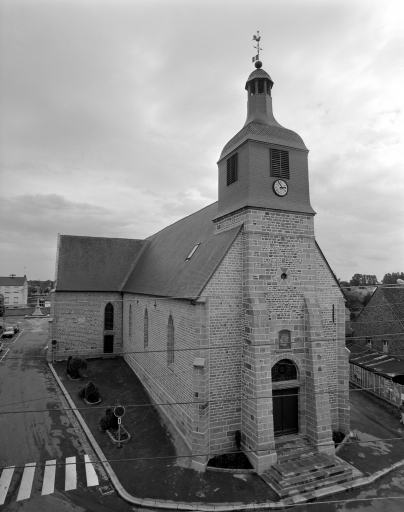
(113, 114)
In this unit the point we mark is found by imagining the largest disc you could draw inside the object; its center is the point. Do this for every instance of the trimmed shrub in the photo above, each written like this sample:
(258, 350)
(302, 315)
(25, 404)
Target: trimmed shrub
(76, 364)
(91, 392)
(109, 420)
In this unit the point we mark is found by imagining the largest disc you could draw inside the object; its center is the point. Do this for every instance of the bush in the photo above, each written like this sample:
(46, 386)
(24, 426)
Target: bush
(91, 392)
(75, 365)
(109, 421)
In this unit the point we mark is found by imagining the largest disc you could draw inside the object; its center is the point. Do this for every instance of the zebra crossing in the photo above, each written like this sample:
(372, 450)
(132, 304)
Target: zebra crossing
(49, 477)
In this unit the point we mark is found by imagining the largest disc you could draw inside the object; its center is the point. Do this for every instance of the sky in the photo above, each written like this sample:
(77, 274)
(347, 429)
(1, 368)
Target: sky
(113, 114)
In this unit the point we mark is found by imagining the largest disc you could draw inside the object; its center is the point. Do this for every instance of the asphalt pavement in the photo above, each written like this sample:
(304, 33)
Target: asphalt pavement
(151, 466)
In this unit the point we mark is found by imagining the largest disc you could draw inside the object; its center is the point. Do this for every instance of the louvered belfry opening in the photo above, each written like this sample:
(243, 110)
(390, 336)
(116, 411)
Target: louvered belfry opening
(259, 86)
(280, 163)
(232, 169)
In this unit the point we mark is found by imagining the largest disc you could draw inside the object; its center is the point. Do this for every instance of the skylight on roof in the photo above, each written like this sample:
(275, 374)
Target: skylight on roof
(192, 252)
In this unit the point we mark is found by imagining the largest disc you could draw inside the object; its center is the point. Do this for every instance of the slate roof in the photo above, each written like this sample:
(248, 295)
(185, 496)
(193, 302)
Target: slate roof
(395, 298)
(384, 364)
(163, 270)
(275, 134)
(12, 281)
(87, 263)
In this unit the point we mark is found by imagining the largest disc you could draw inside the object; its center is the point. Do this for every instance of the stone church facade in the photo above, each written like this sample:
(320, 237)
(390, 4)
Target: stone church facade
(231, 317)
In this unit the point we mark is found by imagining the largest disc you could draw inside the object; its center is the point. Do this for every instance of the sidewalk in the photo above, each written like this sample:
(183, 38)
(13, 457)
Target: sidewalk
(160, 478)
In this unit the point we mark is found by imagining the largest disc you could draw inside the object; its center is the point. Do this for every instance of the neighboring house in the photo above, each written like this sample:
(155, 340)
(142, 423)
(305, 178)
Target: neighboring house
(15, 291)
(231, 315)
(380, 325)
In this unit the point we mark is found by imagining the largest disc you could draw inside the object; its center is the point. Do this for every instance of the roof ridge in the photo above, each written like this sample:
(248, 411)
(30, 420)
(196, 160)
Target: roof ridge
(106, 237)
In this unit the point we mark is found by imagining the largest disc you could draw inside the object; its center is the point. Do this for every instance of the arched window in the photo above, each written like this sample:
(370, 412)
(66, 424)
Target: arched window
(146, 329)
(109, 317)
(170, 341)
(130, 320)
(285, 369)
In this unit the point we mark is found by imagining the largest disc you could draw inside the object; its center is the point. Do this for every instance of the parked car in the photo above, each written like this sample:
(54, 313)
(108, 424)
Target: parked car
(15, 327)
(8, 333)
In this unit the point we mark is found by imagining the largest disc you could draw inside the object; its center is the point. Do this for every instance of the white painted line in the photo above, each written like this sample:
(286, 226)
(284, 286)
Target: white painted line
(92, 478)
(48, 486)
(5, 480)
(4, 355)
(24, 491)
(71, 474)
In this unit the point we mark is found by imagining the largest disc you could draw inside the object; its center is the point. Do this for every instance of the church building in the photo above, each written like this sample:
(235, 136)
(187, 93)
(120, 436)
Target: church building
(231, 316)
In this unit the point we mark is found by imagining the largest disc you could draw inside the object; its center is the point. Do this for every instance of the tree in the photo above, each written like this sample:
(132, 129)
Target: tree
(366, 299)
(363, 280)
(392, 278)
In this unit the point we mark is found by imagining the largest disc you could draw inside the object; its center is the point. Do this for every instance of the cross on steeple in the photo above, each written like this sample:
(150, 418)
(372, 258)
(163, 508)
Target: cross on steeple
(258, 39)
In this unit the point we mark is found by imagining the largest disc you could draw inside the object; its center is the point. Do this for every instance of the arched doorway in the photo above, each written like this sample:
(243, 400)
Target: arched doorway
(286, 400)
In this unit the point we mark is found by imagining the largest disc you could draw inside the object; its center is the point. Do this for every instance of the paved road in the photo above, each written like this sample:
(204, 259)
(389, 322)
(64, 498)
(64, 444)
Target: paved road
(44, 437)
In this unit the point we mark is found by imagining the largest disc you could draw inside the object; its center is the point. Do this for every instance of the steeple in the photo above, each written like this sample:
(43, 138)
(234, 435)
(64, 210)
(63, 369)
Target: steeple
(262, 153)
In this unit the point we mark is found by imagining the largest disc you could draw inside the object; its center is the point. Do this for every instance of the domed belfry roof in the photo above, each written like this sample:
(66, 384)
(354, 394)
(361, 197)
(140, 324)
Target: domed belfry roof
(261, 124)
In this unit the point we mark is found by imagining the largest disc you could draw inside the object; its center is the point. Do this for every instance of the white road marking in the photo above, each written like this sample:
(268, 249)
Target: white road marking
(48, 486)
(4, 355)
(71, 474)
(92, 478)
(24, 491)
(5, 480)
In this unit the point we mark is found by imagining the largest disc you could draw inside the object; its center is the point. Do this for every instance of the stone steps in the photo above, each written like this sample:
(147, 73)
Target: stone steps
(301, 469)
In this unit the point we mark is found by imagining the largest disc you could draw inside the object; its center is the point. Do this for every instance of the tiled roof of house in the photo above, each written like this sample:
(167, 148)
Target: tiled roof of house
(95, 264)
(384, 364)
(395, 298)
(163, 268)
(12, 281)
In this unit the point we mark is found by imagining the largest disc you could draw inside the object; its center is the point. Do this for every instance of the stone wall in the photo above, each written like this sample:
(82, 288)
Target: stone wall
(78, 322)
(226, 325)
(167, 383)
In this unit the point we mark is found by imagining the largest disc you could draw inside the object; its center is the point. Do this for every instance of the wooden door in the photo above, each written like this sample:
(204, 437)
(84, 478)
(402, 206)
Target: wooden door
(285, 411)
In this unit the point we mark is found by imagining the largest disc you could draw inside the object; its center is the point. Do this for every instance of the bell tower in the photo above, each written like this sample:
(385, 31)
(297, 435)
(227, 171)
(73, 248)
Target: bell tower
(264, 165)
(291, 305)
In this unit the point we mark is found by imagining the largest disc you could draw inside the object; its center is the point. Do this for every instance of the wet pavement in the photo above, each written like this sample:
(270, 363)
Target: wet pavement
(153, 467)
(34, 428)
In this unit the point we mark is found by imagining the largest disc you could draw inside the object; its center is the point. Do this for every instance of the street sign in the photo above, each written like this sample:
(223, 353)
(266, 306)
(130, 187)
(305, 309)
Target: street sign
(54, 343)
(119, 411)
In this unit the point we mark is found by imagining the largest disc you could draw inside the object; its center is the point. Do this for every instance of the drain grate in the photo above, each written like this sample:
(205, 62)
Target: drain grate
(106, 489)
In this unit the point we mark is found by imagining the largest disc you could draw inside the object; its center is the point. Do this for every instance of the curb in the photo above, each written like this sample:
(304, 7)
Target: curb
(195, 506)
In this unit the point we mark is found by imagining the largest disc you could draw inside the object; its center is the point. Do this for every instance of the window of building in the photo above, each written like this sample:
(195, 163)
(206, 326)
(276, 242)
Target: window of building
(15, 300)
(284, 370)
(130, 320)
(146, 330)
(170, 341)
(232, 169)
(192, 252)
(109, 317)
(5, 300)
(280, 163)
(385, 346)
(369, 342)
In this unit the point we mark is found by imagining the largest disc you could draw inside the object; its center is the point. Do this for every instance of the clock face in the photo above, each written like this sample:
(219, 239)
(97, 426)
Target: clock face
(280, 187)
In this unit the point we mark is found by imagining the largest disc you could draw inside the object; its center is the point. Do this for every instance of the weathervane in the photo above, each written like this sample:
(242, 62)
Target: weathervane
(258, 39)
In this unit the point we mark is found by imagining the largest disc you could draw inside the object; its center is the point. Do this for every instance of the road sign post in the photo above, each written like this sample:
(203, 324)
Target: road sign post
(119, 412)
